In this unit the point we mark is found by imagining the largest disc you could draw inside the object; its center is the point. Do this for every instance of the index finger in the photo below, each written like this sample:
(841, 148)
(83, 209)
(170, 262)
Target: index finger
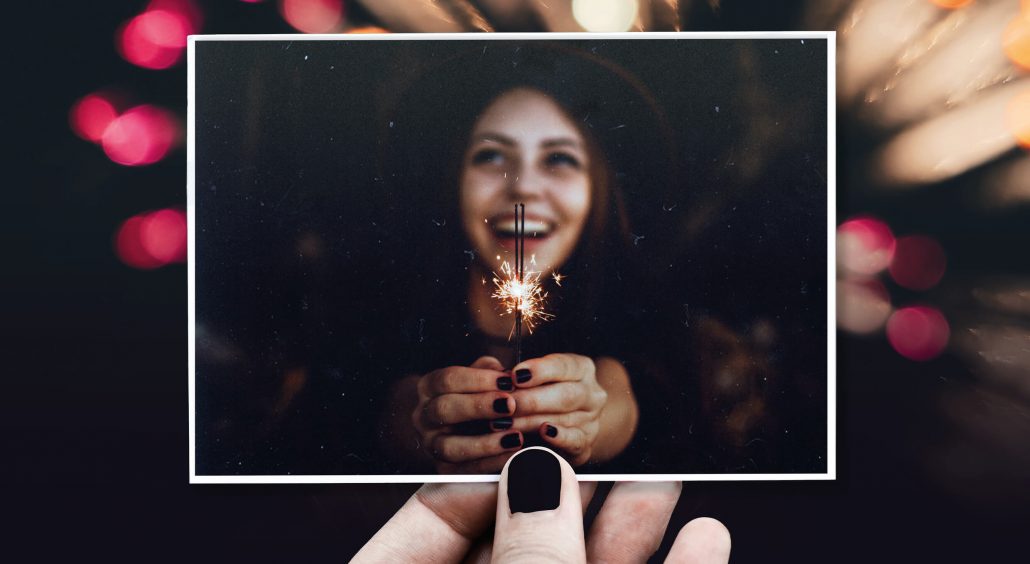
(558, 367)
(438, 524)
(465, 380)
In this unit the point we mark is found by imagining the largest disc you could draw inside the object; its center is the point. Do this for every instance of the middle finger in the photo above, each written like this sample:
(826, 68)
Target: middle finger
(552, 398)
(450, 409)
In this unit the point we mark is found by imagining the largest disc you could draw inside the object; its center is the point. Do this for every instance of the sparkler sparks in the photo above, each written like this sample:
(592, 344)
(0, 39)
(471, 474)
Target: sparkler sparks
(520, 292)
(525, 297)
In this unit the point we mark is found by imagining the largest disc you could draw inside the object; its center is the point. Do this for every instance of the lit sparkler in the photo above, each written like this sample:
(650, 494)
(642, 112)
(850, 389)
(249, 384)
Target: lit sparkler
(519, 291)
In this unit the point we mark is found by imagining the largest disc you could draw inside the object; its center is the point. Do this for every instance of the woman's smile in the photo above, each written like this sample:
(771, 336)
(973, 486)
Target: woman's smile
(524, 149)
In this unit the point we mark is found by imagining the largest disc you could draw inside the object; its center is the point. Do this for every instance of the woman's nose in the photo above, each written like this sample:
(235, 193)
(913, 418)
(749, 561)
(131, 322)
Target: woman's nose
(526, 183)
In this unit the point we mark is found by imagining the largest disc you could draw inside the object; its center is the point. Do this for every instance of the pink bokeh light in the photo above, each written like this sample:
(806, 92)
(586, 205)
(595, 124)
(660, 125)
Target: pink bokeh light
(152, 239)
(918, 332)
(129, 247)
(91, 115)
(142, 135)
(918, 262)
(312, 16)
(865, 245)
(163, 235)
(156, 38)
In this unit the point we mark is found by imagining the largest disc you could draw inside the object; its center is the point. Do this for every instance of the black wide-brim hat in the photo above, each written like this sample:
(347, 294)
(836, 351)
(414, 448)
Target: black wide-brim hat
(425, 132)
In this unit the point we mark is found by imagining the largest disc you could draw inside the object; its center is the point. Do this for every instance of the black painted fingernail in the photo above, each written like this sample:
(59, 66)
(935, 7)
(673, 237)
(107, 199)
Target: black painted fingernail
(511, 440)
(501, 423)
(534, 481)
(504, 384)
(551, 431)
(501, 405)
(523, 375)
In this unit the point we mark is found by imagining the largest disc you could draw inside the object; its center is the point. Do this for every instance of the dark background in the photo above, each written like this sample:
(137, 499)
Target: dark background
(95, 407)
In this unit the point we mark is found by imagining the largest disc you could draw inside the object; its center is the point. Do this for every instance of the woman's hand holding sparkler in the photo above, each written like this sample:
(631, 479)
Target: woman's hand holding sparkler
(582, 408)
(458, 394)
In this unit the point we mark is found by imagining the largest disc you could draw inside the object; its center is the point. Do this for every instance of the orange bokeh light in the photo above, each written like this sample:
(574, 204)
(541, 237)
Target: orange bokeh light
(1016, 41)
(90, 116)
(368, 29)
(1018, 116)
(312, 16)
(952, 4)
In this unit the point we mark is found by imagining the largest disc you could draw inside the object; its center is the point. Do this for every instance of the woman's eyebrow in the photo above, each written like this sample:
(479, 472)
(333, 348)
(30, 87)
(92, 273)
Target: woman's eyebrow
(562, 141)
(495, 137)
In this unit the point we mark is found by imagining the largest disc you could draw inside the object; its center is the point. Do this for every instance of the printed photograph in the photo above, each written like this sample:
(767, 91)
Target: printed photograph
(415, 257)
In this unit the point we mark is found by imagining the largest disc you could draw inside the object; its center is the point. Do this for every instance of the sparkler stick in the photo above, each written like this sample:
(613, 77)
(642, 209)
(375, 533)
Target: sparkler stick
(520, 291)
(520, 273)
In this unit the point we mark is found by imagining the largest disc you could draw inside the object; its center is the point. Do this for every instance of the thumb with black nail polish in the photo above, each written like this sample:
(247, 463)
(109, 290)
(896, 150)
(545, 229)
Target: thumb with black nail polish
(539, 513)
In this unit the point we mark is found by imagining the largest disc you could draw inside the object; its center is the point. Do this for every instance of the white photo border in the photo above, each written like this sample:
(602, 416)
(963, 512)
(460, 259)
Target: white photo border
(831, 229)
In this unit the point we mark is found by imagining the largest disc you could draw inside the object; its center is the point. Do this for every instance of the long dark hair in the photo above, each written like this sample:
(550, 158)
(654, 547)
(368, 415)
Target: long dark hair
(426, 137)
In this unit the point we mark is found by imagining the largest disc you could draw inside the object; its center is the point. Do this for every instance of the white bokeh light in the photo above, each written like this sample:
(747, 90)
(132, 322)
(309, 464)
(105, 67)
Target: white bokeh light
(605, 15)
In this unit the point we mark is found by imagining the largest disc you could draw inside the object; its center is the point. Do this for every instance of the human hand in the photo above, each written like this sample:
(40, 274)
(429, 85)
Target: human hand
(459, 394)
(538, 512)
(559, 397)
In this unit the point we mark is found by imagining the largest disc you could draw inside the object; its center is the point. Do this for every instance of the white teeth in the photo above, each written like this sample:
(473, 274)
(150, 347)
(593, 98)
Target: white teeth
(533, 228)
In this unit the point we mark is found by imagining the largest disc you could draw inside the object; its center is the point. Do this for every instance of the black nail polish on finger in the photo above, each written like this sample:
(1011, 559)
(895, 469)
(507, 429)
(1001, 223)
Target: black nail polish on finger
(534, 481)
(504, 384)
(501, 405)
(523, 375)
(501, 423)
(511, 440)
(551, 431)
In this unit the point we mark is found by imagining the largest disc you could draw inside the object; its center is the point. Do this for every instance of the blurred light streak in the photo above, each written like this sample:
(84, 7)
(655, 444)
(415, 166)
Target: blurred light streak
(1008, 184)
(955, 60)
(665, 15)
(1016, 41)
(1010, 297)
(413, 16)
(1000, 354)
(508, 14)
(918, 262)
(952, 4)
(163, 235)
(918, 332)
(863, 305)
(872, 35)
(91, 115)
(865, 245)
(605, 15)
(312, 16)
(129, 246)
(952, 143)
(142, 135)
(367, 29)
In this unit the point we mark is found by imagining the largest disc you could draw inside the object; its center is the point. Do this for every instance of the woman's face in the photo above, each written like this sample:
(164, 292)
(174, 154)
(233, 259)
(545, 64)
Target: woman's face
(525, 149)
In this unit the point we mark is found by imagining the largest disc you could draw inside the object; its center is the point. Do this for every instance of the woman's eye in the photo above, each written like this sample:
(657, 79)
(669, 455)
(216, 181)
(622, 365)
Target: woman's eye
(562, 159)
(487, 156)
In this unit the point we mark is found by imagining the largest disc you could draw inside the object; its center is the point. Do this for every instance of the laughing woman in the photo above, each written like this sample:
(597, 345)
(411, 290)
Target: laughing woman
(538, 126)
